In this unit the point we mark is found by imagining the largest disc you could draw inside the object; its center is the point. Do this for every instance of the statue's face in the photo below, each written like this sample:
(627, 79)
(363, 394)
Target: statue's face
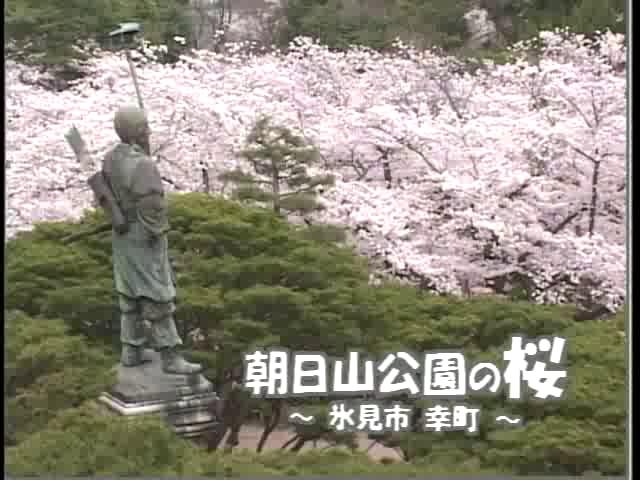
(145, 140)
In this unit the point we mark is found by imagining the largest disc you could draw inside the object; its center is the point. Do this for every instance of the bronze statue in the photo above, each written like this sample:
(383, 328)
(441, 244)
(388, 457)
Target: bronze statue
(129, 187)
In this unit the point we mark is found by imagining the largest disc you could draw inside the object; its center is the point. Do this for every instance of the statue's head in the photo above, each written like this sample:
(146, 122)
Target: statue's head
(132, 127)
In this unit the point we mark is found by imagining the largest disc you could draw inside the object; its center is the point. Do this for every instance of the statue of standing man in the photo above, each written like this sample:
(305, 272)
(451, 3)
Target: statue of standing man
(130, 188)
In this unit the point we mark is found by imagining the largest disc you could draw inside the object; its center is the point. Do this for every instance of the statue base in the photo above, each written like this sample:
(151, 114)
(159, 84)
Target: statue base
(188, 402)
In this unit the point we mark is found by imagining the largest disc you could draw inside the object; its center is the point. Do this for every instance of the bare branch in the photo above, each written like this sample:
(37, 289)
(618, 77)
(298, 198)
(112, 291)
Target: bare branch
(564, 223)
(170, 182)
(360, 169)
(584, 154)
(613, 154)
(596, 110)
(518, 191)
(386, 166)
(594, 197)
(457, 105)
(444, 88)
(409, 146)
(206, 184)
(578, 110)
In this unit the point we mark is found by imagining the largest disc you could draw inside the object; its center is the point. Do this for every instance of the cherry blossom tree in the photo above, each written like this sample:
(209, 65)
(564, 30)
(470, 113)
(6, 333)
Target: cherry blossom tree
(508, 176)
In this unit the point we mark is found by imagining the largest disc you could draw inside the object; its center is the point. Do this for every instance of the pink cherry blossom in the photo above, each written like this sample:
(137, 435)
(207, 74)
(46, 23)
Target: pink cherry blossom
(492, 171)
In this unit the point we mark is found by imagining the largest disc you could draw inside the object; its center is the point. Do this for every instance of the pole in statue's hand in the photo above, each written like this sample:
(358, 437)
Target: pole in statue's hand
(130, 30)
(126, 30)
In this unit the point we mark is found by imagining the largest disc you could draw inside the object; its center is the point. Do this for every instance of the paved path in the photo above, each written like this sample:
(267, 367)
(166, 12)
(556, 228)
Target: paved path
(250, 434)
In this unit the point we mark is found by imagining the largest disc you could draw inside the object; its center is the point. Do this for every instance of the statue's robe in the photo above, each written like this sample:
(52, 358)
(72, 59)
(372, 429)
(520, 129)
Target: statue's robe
(140, 256)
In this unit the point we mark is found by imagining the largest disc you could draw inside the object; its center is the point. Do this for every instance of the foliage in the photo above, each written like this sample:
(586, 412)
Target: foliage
(343, 23)
(585, 16)
(52, 33)
(89, 441)
(438, 23)
(582, 432)
(247, 279)
(275, 285)
(336, 23)
(59, 274)
(548, 112)
(47, 371)
(281, 159)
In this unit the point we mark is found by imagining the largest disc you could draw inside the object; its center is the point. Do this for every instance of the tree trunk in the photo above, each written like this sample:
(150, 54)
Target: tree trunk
(271, 422)
(558, 228)
(234, 414)
(298, 445)
(289, 442)
(206, 184)
(386, 166)
(275, 187)
(214, 438)
(386, 171)
(594, 197)
(233, 440)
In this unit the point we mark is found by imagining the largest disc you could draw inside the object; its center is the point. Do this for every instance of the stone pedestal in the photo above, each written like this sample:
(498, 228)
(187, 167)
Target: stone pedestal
(188, 402)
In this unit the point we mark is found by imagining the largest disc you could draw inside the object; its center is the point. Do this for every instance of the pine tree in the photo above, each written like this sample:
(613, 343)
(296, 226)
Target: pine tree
(279, 160)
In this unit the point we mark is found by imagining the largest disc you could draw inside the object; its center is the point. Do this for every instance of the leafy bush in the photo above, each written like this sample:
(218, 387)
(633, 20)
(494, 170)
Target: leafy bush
(248, 279)
(88, 441)
(47, 371)
(341, 23)
(585, 16)
(428, 23)
(241, 273)
(584, 431)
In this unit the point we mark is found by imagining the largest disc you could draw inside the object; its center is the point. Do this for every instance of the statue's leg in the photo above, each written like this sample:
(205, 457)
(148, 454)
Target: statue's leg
(165, 338)
(132, 333)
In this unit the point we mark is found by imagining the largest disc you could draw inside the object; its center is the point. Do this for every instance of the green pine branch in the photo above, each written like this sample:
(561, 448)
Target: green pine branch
(279, 158)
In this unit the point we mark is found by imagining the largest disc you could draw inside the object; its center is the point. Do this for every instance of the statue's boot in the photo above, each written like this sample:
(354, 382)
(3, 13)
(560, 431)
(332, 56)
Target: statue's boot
(173, 362)
(133, 355)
